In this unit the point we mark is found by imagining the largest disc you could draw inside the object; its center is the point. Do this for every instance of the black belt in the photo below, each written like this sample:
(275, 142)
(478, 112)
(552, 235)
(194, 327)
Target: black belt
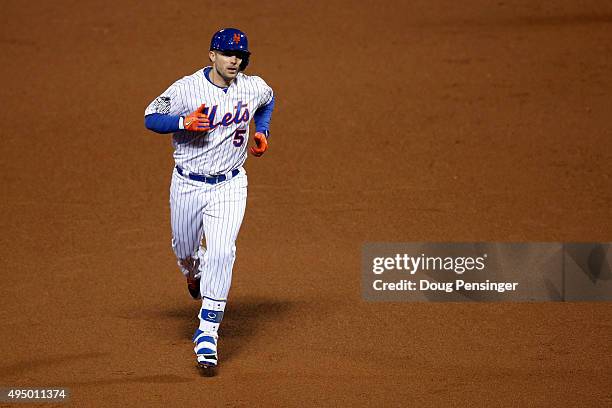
(207, 179)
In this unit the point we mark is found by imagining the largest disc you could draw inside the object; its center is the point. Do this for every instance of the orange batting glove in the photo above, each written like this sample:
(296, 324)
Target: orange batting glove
(261, 144)
(197, 121)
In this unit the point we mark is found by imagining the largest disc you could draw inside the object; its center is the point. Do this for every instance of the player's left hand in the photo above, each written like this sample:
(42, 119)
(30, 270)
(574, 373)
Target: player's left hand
(261, 145)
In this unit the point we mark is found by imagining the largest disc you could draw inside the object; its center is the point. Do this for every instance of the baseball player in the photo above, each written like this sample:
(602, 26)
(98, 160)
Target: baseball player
(208, 114)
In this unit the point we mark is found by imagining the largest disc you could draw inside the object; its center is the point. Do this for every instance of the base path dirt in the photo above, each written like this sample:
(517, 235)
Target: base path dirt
(395, 121)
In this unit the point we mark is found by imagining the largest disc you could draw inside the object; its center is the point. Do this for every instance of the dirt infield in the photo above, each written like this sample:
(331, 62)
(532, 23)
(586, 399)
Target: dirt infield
(395, 121)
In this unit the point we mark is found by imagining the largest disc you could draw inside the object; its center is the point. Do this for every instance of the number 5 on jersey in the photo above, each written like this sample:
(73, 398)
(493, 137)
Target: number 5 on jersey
(239, 137)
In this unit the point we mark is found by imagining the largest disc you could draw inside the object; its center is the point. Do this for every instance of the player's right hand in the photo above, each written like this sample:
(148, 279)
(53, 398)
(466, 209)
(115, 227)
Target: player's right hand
(197, 121)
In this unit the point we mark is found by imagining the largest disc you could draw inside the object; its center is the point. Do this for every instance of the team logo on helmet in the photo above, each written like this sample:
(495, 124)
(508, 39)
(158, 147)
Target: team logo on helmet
(236, 38)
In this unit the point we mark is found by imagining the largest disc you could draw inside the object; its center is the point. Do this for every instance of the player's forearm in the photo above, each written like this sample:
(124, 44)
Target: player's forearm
(161, 123)
(263, 116)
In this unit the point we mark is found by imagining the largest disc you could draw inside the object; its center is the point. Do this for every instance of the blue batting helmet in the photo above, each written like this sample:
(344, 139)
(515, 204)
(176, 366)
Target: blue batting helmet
(232, 39)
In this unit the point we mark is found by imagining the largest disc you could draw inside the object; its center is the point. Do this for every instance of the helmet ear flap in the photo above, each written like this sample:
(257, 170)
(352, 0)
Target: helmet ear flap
(244, 63)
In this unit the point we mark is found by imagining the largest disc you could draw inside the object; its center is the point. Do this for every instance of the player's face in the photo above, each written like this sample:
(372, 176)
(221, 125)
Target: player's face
(227, 64)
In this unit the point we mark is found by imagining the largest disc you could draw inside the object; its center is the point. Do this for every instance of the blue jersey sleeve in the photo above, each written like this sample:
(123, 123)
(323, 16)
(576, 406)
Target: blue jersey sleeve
(262, 117)
(161, 123)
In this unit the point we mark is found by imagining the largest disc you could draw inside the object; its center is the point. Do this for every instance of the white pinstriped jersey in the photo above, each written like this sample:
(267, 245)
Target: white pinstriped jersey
(223, 148)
